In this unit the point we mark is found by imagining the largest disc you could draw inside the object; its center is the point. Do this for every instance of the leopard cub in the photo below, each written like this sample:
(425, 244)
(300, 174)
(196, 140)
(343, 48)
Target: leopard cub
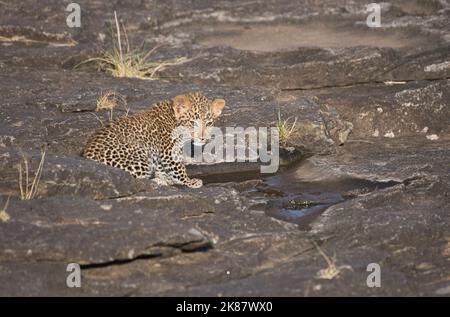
(143, 143)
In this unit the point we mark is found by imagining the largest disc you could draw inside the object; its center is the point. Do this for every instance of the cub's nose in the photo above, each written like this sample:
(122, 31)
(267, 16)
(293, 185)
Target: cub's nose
(199, 141)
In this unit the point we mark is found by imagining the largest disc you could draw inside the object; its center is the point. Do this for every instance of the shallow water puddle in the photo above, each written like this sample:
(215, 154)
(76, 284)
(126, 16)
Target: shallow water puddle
(300, 201)
(300, 194)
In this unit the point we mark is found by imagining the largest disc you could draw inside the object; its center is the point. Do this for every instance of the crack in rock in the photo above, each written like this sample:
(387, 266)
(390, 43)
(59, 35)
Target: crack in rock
(157, 250)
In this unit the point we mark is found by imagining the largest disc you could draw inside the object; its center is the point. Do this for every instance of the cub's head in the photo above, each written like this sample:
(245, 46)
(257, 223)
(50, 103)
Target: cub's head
(197, 113)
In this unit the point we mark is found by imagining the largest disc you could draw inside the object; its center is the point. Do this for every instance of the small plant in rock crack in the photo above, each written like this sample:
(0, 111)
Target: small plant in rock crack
(28, 185)
(108, 101)
(4, 216)
(122, 61)
(331, 271)
(285, 129)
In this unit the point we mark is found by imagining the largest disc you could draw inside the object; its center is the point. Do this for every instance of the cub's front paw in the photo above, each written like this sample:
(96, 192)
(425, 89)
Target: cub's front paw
(195, 183)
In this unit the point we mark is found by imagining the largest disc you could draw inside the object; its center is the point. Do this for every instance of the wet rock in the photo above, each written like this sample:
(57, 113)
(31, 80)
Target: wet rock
(393, 227)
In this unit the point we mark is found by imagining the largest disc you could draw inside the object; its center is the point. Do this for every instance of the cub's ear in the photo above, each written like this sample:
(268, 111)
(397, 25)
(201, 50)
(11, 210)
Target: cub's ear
(217, 106)
(181, 104)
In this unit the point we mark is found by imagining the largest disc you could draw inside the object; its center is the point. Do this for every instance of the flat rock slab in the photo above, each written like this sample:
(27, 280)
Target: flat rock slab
(369, 104)
(391, 159)
(125, 233)
(391, 110)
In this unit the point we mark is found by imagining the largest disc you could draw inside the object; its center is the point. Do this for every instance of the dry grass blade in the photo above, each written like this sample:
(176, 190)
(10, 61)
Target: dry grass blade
(27, 190)
(122, 61)
(98, 119)
(4, 216)
(331, 271)
(118, 36)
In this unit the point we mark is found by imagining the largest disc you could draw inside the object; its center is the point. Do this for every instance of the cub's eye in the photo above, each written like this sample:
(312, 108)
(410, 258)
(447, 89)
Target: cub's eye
(195, 123)
(209, 123)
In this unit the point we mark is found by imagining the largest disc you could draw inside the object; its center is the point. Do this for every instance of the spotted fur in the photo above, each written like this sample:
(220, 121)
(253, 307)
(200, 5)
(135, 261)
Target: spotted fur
(143, 145)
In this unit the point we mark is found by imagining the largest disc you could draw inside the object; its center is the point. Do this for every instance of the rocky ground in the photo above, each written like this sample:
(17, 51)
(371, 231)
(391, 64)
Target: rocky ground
(372, 107)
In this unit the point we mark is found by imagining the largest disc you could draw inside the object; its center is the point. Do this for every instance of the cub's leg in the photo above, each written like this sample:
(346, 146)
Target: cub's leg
(175, 170)
(131, 158)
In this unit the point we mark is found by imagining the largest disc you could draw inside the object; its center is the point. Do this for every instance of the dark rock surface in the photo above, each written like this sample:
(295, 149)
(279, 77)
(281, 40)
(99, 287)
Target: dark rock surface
(370, 104)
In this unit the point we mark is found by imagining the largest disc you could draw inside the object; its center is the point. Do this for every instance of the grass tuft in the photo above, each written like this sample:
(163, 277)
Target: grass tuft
(4, 216)
(28, 187)
(122, 61)
(285, 129)
(110, 100)
(331, 271)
